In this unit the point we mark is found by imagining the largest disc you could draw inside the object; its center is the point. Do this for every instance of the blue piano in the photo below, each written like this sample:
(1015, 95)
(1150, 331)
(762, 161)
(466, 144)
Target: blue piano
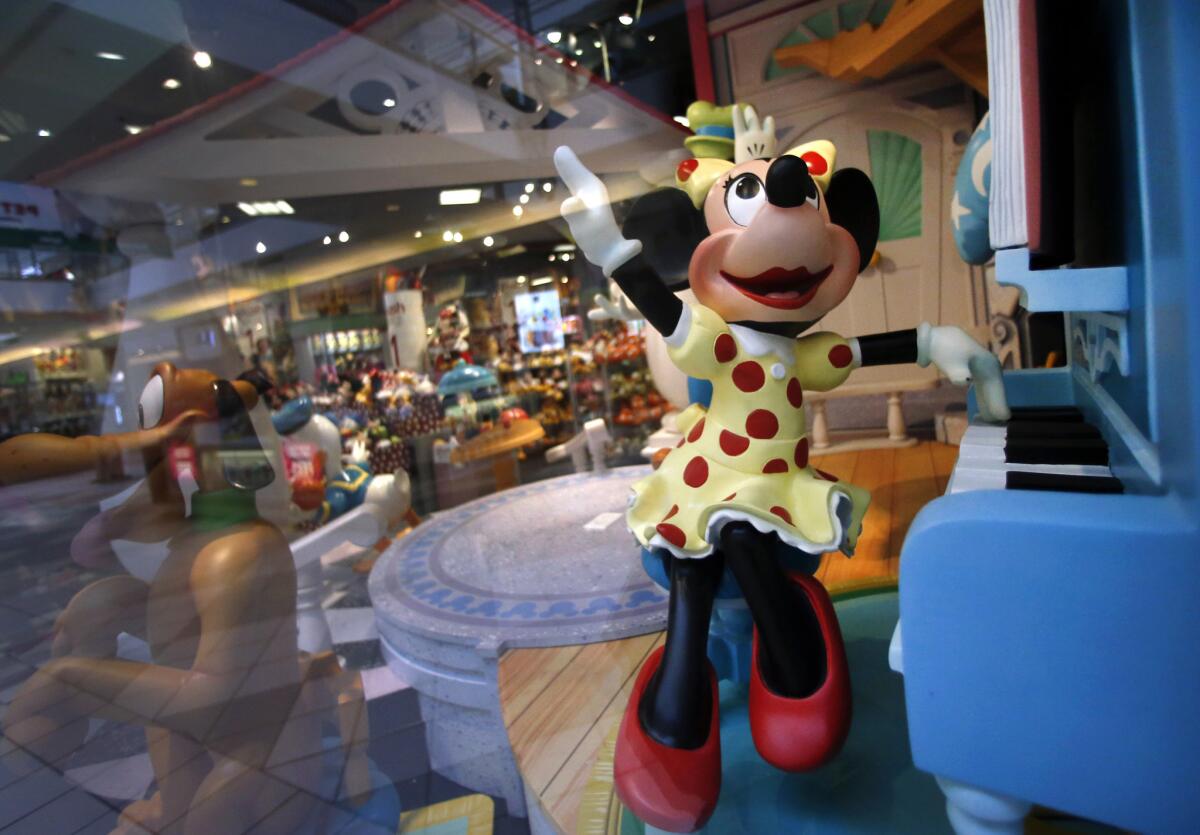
(1049, 634)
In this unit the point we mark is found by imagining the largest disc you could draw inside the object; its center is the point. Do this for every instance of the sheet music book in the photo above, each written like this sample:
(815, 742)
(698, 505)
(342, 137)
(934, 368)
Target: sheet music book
(1007, 222)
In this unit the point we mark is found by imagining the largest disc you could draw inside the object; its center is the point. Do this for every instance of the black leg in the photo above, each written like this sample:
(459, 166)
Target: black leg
(677, 706)
(791, 649)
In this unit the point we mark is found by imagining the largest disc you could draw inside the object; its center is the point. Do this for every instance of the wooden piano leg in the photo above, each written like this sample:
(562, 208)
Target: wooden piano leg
(974, 811)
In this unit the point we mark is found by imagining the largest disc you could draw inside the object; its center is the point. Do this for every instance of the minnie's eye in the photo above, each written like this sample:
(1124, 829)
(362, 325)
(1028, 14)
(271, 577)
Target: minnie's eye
(150, 404)
(814, 199)
(744, 197)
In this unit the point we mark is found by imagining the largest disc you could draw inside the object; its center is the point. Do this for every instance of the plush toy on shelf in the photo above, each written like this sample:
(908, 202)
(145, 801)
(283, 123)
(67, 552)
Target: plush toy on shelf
(779, 242)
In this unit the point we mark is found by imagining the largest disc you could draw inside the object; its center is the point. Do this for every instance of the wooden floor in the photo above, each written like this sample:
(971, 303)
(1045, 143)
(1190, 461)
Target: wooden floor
(560, 703)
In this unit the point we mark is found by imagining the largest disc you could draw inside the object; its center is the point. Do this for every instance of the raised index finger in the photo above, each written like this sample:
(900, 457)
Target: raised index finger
(573, 172)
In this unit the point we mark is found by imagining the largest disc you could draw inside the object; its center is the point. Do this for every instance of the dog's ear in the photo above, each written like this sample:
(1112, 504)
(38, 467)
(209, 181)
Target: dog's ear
(670, 228)
(854, 207)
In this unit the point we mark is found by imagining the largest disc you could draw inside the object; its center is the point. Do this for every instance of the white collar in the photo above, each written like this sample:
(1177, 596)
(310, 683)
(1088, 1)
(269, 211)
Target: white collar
(758, 343)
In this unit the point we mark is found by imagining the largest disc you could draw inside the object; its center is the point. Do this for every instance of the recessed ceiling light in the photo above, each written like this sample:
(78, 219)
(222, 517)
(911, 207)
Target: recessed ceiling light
(459, 196)
(393, 207)
(418, 233)
(579, 52)
(554, 36)
(134, 129)
(225, 218)
(248, 182)
(488, 240)
(558, 60)
(552, 257)
(626, 19)
(447, 236)
(327, 240)
(260, 247)
(518, 210)
(520, 279)
(529, 187)
(43, 133)
(110, 56)
(68, 275)
(202, 59)
(4, 137)
(171, 84)
(537, 62)
(596, 44)
(650, 38)
(389, 102)
(524, 198)
(458, 237)
(343, 236)
(564, 279)
(547, 187)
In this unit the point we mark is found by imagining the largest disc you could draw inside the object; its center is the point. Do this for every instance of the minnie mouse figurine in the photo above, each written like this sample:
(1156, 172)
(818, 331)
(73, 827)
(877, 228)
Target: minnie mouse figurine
(779, 243)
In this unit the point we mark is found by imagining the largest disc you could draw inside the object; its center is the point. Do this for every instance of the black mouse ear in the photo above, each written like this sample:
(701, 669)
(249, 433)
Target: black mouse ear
(854, 207)
(257, 378)
(670, 228)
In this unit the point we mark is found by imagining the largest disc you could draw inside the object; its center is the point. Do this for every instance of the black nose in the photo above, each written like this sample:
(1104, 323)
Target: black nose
(789, 183)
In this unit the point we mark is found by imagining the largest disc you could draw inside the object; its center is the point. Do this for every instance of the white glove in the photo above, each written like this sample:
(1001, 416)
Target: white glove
(617, 307)
(750, 139)
(588, 213)
(964, 360)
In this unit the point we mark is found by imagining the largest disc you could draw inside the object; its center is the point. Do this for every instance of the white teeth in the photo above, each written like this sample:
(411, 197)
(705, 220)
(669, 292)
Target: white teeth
(784, 294)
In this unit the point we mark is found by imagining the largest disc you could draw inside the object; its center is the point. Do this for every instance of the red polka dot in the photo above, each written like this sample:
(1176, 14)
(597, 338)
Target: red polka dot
(674, 509)
(795, 393)
(671, 534)
(840, 356)
(696, 472)
(816, 163)
(825, 475)
(724, 349)
(802, 453)
(729, 498)
(775, 465)
(732, 444)
(697, 430)
(685, 169)
(762, 424)
(749, 376)
(782, 513)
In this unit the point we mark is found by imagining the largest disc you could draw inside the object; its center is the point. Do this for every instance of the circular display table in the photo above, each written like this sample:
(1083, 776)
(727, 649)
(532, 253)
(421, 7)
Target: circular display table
(543, 564)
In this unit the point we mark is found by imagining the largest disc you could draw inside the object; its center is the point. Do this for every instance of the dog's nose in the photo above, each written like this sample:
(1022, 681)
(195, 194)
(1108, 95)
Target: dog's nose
(789, 183)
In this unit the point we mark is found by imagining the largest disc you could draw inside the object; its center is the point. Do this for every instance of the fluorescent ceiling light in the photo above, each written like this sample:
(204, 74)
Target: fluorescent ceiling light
(538, 282)
(43, 133)
(267, 207)
(110, 56)
(134, 129)
(626, 19)
(554, 37)
(202, 60)
(459, 196)
(171, 84)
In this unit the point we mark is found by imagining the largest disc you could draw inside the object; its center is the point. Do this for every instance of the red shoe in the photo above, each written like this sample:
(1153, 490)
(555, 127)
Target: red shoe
(674, 789)
(799, 734)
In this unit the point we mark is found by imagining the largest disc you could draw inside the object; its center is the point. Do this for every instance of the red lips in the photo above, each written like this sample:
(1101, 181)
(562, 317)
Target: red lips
(780, 288)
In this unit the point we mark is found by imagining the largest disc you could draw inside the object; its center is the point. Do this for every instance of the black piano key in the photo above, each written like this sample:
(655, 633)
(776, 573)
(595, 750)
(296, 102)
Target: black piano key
(1051, 429)
(1056, 451)
(1056, 414)
(1062, 483)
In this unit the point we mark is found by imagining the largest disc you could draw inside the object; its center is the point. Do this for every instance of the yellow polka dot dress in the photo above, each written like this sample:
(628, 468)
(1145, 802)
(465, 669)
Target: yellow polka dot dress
(746, 457)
